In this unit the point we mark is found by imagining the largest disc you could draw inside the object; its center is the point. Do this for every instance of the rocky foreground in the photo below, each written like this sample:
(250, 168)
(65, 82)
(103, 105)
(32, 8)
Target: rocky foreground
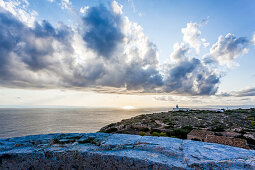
(119, 151)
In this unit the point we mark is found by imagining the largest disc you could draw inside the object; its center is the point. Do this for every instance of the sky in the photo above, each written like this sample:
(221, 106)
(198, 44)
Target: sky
(139, 53)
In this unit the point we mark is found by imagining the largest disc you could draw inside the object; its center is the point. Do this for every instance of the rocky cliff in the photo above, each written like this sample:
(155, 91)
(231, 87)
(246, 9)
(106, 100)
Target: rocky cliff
(118, 151)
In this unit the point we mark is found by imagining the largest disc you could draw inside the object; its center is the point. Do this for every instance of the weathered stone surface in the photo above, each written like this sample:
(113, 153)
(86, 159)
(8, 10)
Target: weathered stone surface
(118, 151)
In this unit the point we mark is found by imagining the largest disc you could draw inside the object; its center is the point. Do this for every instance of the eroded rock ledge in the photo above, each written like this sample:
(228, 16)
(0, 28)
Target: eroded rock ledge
(118, 151)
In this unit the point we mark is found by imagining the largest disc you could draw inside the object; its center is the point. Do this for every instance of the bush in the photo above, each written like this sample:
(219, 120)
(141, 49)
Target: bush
(155, 130)
(145, 129)
(163, 134)
(252, 123)
(111, 130)
(180, 132)
(218, 129)
(188, 128)
(169, 127)
(249, 140)
(165, 120)
(155, 134)
(142, 133)
(171, 123)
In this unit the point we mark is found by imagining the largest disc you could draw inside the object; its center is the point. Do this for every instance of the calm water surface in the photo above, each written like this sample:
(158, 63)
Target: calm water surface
(20, 122)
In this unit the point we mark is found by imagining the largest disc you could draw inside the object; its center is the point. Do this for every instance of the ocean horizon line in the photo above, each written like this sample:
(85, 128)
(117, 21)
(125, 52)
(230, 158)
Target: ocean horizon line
(121, 108)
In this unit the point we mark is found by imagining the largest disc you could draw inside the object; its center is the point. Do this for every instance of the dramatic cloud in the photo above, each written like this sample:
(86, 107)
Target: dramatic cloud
(103, 33)
(189, 75)
(226, 49)
(114, 53)
(106, 52)
(29, 55)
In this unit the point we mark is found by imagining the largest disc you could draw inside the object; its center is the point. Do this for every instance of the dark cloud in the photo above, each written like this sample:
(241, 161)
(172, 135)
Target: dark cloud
(116, 57)
(24, 49)
(189, 76)
(240, 93)
(103, 30)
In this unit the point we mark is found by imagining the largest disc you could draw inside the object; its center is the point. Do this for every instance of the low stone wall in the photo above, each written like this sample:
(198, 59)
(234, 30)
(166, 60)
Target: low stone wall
(242, 143)
(118, 151)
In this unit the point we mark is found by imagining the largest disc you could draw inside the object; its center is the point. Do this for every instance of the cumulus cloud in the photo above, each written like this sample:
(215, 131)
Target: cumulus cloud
(191, 35)
(189, 75)
(114, 53)
(179, 53)
(106, 53)
(104, 33)
(18, 8)
(117, 8)
(31, 56)
(226, 49)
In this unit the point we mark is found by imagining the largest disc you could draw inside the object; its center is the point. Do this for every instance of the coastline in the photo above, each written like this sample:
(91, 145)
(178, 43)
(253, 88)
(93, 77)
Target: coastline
(231, 127)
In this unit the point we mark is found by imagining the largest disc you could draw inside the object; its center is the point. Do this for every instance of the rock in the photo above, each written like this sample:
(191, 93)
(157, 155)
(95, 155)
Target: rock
(118, 151)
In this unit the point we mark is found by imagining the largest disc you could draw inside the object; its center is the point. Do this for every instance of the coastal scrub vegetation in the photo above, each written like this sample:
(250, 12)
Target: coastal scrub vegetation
(240, 123)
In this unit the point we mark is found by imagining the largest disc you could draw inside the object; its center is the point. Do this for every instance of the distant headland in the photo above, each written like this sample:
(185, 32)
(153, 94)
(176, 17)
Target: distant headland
(230, 127)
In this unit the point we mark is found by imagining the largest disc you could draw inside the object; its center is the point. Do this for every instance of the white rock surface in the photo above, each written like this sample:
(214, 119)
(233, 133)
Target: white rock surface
(118, 151)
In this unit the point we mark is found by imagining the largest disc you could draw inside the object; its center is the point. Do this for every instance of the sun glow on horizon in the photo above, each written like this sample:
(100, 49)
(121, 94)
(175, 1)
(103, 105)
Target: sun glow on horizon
(128, 107)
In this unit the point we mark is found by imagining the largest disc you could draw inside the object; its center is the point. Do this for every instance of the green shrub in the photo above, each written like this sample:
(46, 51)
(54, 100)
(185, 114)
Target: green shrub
(169, 127)
(165, 120)
(249, 140)
(218, 129)
(142, 133)
(145, 129)
(155, 134)
(180, 132)
(155, 130)
(252, 123)
(163, 134)
(188, 128)
(111, 130)
(171, 123)
(250, 118)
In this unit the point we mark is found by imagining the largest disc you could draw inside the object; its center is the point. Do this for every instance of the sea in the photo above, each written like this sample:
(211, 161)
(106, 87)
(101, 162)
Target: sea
(16, 122)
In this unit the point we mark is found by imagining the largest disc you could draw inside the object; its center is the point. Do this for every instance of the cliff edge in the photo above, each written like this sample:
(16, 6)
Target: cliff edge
(118, 151)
